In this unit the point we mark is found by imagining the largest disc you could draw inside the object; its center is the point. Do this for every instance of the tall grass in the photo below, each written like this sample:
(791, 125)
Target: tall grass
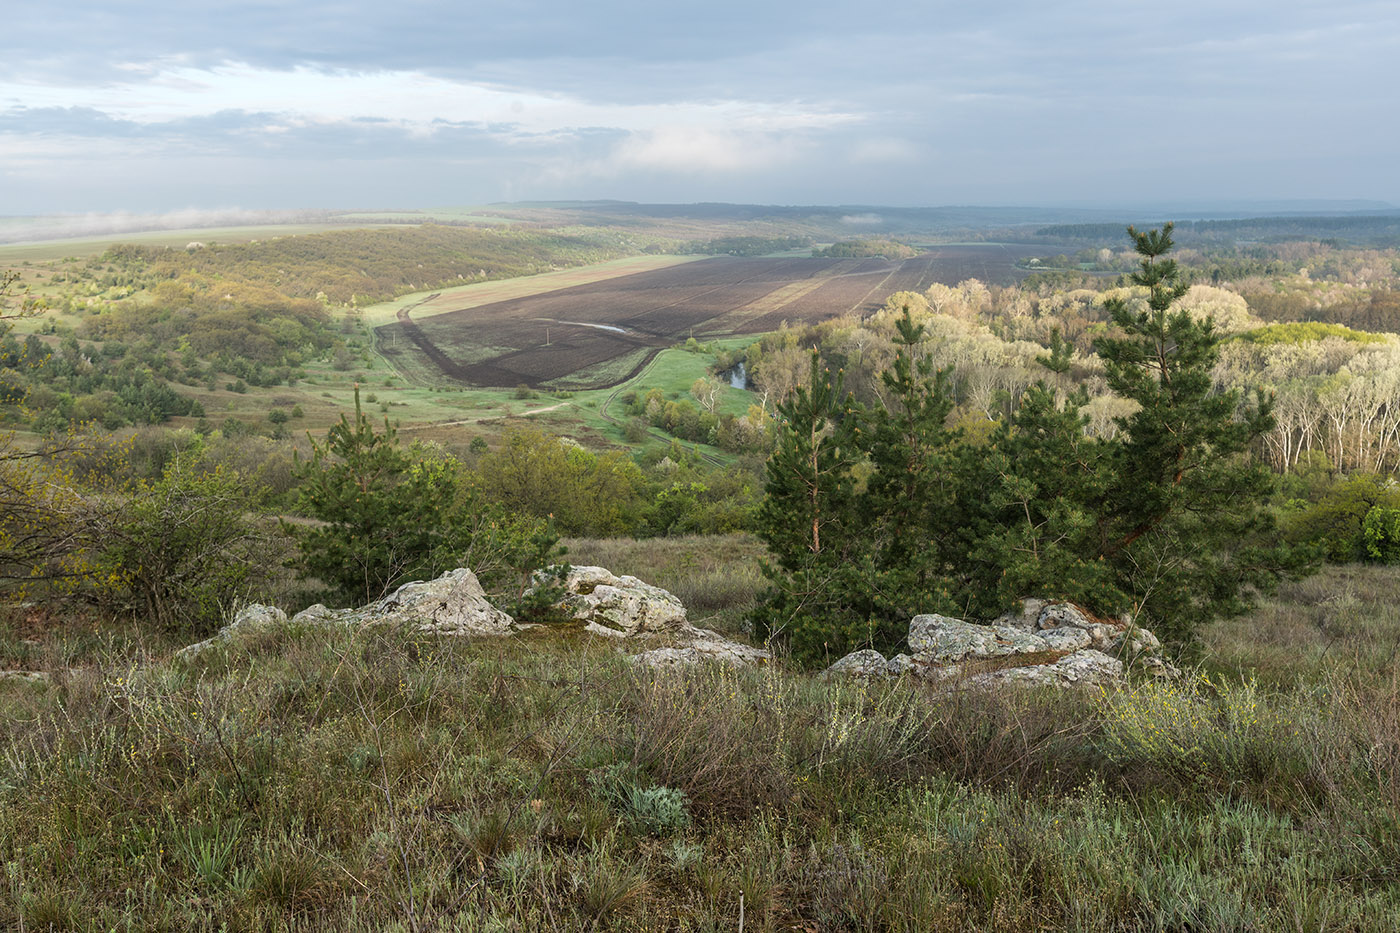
(716, 577)
(321, 778)
(371, 779)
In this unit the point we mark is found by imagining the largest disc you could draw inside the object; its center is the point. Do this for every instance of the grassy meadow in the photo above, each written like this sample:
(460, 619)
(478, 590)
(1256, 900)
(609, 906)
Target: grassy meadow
(320, 778)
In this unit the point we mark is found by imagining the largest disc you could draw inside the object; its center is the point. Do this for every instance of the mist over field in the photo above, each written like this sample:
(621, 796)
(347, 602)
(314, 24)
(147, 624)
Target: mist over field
(72, 226)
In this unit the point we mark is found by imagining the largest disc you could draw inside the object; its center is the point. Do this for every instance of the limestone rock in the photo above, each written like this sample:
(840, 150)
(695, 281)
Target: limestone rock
(904, 664)
(32, 678)
(316, 614)
(717, 649)
(864, 663)
(453, 604)
(1026, 617)
(1062, 645)
(258, 616)
(1068, 638)
(1086, 667)
(1058, 615)
(939, 638)
(669, 657)
(696, 645)
(619, 606)
(251, 618)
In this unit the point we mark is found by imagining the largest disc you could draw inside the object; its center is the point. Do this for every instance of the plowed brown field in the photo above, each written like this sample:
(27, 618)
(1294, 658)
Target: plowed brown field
(599, 334)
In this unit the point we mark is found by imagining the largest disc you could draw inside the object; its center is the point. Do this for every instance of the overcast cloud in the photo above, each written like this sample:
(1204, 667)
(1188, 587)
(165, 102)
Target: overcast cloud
(156, 106)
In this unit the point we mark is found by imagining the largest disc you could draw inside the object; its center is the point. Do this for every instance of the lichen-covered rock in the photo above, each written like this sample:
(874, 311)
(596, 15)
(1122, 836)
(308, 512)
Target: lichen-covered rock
(1134, 641)
(1082, 668)
(1026, 616)
(939, 638)
(713, 649)
(317, 614)
(31, 678)
(864, 663)
(691, 646)
(1058, 615)
(1069, 638)
(256, 616)
(453, 604)
(618, 606)
(1040, 641)
(904, 664)
(869, 664)
(251, 618)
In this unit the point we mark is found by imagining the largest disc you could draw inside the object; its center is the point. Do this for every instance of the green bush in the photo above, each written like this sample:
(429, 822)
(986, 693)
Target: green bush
(1381, 531)
(1336, 523)
(181, 551)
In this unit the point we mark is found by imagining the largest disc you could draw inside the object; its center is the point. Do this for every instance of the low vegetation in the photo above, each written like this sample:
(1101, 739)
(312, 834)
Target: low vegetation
(323, 778)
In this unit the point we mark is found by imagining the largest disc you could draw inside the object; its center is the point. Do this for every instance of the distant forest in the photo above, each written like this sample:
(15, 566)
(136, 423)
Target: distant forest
(1377, 230)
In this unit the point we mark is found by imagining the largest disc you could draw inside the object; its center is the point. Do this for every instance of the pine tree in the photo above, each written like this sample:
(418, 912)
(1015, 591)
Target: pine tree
(1167, 520)
(910, 511)
(810, 479)
(807, 519)
(1044, 487)
(385, 515)
(389, 515)
(1185, 524)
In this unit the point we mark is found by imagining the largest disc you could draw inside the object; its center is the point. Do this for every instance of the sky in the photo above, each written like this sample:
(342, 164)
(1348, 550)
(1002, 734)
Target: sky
(134, 105)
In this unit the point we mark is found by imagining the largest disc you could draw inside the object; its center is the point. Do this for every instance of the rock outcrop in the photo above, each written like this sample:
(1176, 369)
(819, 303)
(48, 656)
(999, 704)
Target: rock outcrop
(32, 678)
(249, 620)
(453, 604)
(617, 607)
(694, 645)
(624, 609)
(1039, 642)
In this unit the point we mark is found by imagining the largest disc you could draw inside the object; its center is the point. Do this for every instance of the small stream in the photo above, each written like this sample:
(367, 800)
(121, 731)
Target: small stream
(738, 376)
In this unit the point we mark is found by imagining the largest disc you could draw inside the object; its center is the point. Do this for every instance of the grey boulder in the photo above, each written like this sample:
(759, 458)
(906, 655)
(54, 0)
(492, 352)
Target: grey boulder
(616, 606)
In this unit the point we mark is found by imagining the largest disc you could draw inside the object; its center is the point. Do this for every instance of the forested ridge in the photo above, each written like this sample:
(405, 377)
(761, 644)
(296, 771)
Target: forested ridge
(363, 266)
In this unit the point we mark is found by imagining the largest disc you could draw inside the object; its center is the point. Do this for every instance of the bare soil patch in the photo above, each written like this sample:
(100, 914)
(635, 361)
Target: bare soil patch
(601, 333)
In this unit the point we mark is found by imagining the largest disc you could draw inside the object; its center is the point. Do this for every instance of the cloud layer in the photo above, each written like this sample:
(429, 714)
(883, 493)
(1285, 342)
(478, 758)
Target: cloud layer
(145, 106)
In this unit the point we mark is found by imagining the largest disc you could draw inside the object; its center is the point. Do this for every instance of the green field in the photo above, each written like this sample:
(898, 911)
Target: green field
(47, 250)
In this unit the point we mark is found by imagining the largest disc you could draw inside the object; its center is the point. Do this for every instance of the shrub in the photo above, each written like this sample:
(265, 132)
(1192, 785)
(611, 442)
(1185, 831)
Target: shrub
(652, 811)
(180, 551)
(391, 515)
(1381, 532)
